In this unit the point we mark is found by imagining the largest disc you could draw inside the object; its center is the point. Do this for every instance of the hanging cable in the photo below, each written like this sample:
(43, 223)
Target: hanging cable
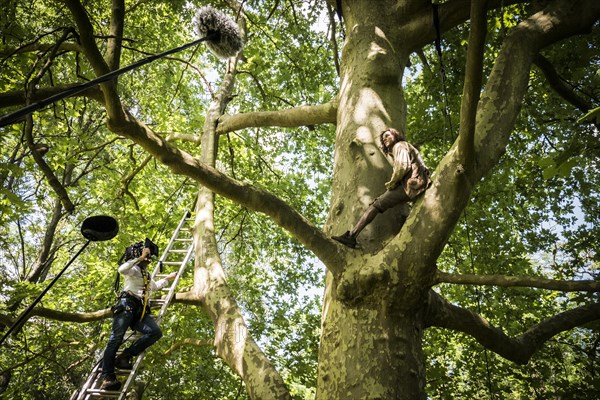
(478, 293)
(438, 48)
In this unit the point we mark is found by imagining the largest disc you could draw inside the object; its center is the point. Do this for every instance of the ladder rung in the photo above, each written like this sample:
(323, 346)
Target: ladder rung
(106, 393)
(179, 251)
(123, 372)
(184, 240)
(172, 262)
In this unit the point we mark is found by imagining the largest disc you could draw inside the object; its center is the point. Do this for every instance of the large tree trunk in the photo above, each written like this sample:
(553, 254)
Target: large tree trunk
(371, 342)
(371, 351)
(373, 311)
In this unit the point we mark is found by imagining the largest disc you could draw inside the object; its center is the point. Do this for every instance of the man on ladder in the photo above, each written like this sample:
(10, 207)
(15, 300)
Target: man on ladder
(132, 310)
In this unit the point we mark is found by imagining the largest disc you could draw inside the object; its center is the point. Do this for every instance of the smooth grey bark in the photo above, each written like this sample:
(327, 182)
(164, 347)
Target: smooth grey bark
(381, 293)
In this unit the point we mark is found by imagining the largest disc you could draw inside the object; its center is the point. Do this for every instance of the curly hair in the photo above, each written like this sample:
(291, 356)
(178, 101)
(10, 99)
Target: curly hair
(396, 133)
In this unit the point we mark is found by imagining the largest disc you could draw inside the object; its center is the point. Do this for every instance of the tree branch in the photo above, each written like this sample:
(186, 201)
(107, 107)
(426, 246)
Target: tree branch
(37, 47)
(557, 21)
(559, 85)
(184, 137)
(297, 116)
(246, 195)
(472, 84)
(518, 349)
(28, 131)
(113, 49)
(80, 317)
(45, 255)
(451, 14)
(61, 315)
(188, 342)
(518, 281)
(112, 102)
(126, 180)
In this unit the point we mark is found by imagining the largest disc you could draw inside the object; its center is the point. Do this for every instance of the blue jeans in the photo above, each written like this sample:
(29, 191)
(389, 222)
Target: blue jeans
(127, 313)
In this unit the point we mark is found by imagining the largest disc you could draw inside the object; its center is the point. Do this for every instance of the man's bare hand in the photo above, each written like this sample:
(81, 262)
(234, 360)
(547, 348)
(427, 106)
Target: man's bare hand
(171, 276)
(145, 254)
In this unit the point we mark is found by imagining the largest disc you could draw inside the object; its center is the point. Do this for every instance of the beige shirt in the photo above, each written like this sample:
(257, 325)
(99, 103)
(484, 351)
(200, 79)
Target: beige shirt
(409, 170)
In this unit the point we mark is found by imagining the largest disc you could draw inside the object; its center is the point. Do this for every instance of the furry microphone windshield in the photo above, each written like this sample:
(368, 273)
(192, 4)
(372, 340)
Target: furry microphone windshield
(223, 34)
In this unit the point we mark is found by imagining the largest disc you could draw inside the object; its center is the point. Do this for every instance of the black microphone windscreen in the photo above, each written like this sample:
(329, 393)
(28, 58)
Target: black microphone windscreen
(226, 39)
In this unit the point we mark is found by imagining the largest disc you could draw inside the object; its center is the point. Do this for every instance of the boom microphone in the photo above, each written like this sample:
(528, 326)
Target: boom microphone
(227, 40)
(220, 33)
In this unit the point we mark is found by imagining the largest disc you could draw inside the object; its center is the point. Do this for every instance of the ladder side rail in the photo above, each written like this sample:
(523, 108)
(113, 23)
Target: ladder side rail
(163, 258)
(171, 293)
(89, 381)
(132, 375)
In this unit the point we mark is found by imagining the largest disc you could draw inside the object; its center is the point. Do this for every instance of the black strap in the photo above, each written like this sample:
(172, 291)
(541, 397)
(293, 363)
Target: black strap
(338, 9)
(117, 284)
(438, 47)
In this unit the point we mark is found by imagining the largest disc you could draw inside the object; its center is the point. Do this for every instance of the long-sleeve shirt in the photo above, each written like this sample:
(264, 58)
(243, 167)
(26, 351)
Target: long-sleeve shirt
(400, 162)
(133, 279)
(409, 170)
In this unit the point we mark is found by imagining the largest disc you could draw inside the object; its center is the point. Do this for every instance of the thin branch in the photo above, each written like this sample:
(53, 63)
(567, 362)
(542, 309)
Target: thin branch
(36, 47)
(332, 38)
(45, 255)
(62, 315)
(519, 349)
(126, 180)
(519, 281)
(28, 131)
(188, 342)
(560, 85)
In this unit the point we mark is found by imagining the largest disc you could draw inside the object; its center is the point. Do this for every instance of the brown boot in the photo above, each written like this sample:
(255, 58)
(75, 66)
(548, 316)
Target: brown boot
(346, 239)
